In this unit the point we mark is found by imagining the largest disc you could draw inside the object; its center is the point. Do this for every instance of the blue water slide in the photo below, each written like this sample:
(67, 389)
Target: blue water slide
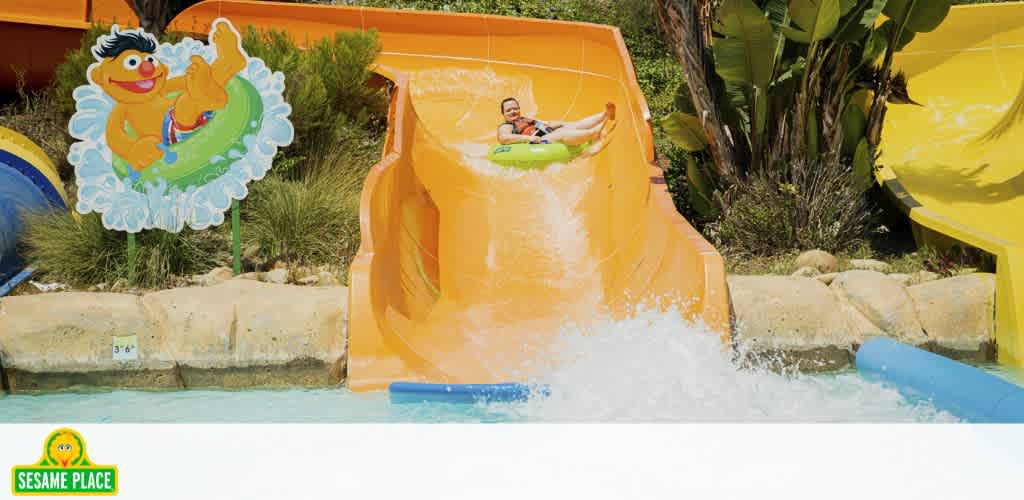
(23, 188)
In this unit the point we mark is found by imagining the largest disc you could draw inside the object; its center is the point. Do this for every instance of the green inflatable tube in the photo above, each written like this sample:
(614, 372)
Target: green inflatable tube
(220, 137)
(534, 156)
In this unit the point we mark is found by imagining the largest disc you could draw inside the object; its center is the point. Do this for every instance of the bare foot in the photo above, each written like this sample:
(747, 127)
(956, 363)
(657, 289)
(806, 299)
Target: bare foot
(606, 131)
(609, 110)
(230, 59)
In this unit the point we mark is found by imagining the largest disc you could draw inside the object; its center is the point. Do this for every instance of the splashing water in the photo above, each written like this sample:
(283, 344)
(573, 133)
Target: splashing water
(658, 367)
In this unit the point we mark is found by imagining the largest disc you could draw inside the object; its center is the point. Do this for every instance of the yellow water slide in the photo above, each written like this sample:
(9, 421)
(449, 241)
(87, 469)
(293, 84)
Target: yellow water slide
(468, 270)
(955, 188)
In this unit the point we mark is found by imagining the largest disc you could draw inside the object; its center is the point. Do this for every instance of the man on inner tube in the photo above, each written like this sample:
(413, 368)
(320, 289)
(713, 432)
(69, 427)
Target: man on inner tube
(520, 129)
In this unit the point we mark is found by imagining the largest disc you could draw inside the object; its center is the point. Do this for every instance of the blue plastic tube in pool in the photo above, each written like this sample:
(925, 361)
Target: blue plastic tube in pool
(411, 392)
(960, 389)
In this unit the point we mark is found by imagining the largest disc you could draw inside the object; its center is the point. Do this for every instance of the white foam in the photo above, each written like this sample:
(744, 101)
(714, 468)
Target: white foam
(658, 367)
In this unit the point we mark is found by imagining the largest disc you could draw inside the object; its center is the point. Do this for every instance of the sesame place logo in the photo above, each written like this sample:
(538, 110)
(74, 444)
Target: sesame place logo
(65, 469)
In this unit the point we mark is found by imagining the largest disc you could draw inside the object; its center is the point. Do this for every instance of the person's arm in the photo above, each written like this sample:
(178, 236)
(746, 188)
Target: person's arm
(505, 136)
(555, 125)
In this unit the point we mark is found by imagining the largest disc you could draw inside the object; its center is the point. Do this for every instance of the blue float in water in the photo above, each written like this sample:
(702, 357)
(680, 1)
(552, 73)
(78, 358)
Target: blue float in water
(960, 389)
(411, 392)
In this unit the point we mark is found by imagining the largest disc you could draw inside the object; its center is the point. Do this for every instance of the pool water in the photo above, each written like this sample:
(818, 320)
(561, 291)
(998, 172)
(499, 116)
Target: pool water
(653, 368)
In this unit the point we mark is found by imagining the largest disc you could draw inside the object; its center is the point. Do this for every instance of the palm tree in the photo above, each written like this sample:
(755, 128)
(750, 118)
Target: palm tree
(154, 15)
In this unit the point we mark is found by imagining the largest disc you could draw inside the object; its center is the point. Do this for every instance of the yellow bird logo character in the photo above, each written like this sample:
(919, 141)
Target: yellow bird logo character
(66, 449)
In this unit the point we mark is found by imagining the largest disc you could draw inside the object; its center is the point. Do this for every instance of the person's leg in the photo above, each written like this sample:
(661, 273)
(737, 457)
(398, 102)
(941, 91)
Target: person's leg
(594, 120)
(573, 136)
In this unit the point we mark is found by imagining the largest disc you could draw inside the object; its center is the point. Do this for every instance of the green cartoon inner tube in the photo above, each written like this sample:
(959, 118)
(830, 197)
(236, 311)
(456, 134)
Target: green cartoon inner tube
(209, 152)
(534, 156)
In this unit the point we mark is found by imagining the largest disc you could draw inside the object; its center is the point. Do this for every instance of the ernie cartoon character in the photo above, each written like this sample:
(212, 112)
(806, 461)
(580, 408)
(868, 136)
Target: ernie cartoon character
(160, 111)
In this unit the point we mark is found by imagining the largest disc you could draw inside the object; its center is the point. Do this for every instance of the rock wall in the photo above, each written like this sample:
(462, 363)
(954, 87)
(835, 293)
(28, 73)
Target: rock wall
(239, 333)
(246, 333)
(801, 321)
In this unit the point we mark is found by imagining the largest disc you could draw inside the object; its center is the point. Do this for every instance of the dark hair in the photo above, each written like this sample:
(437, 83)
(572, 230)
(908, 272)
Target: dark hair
(114, 45)
(507, 99)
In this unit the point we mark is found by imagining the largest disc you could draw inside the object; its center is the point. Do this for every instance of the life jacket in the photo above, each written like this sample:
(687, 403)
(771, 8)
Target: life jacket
(528, 126)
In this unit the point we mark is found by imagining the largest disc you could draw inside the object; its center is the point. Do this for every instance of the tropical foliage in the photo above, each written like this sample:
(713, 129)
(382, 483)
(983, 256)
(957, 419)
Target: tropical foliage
(775, 86)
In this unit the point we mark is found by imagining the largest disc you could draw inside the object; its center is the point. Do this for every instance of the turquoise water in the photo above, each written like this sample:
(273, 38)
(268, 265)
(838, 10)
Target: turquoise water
(653, 368)
(250, 406)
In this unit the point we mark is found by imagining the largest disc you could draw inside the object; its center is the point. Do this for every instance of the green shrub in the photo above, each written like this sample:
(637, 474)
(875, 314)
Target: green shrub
(71, 73)
(314, 216)
(809, 206)
(80, 251)
(325, 85)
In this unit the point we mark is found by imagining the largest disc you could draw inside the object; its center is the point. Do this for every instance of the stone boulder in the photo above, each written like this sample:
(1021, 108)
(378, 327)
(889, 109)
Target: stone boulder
(869, 265)
(958, 313)
(245, 326)
(63, 340)
(798, 319)
(826, 278)
(239, 333)
(278, 276)
(883, 301)
(821, 260)
(903, 279)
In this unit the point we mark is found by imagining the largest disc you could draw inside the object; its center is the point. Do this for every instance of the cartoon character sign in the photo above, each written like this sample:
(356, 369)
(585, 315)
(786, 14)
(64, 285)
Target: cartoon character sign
(170, 134)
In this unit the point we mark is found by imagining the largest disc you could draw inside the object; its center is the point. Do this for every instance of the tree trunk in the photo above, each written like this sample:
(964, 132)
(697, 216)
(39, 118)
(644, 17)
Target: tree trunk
(686, 23)
(155, 15)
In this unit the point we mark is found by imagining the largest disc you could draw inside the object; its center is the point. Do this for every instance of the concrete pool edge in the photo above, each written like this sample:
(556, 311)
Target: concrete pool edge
(248, 334)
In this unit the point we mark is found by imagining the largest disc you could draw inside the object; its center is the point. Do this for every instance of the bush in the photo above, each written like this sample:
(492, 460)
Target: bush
(314, 217)
(809, 206)
(307, 210)
(80, 251)
(35, 115)
(325, 85)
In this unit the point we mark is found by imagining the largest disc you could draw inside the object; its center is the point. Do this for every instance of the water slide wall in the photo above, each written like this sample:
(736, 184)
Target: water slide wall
(955, 189)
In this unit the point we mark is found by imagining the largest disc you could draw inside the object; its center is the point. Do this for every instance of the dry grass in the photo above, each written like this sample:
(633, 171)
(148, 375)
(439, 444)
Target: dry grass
(36, 115)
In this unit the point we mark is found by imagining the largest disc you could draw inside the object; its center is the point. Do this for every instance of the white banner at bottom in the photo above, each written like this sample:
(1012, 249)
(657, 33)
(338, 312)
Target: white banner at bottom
(483, 462)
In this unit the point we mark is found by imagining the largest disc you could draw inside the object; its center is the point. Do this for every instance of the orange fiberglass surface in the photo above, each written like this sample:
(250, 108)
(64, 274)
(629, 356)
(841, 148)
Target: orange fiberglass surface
(38, 33)
(955, 188)
(467, 271)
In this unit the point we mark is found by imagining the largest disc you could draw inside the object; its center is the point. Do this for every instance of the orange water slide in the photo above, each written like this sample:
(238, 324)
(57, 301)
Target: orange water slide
(37, 33)
(468, 271)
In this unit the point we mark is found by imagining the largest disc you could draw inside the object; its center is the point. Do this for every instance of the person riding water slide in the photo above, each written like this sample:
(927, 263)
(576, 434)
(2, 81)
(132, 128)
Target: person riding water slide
(518, 129)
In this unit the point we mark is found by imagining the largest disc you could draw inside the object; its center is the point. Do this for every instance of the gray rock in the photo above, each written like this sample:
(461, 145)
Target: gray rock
(69, 336)
(821, 260)
(958, 313)
(279, 276)
(215, 276)
(309, 280)
(883, 301)
(806, 272)
(786, 312)
(870, 265)
(826, 278)
(903, 279)
(240, 333)
(327, 279)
